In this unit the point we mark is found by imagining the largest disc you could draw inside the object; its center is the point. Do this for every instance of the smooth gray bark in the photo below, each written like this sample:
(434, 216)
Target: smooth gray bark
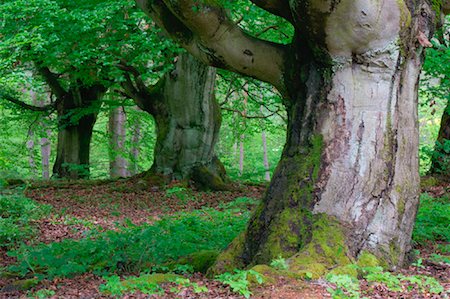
(118, 164)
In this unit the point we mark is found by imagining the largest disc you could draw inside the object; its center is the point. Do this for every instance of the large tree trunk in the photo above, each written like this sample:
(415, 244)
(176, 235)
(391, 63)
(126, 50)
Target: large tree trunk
(188, 120)
(347, 183)
(441, 158)
(75, 128)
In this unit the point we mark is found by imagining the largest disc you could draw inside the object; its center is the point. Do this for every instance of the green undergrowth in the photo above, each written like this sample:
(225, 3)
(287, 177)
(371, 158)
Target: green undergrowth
(433, 220)
(133, 248)
(17, 217)
(348, 286)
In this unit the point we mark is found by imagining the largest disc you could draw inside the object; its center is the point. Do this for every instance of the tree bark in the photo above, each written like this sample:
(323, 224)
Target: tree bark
(440, 163)
(187, 120)
(265, 158)
(347, 185)
(75, 128)
(118, 165)
(45, 152)
(135, 150)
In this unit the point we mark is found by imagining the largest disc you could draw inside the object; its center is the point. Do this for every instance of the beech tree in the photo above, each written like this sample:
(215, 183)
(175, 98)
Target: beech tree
(187, 118)
(346, 187)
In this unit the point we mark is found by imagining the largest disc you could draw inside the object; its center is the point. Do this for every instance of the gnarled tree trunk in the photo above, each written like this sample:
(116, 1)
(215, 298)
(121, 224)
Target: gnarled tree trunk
(347, 183)
(75, 129)
(346, 188)
(188, 120)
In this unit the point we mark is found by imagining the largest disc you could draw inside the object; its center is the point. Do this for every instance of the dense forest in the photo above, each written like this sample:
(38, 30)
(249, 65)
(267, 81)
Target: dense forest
(202, 149)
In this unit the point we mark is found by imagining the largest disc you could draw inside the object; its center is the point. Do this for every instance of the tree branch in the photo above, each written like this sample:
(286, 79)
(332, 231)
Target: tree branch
(24, 105)
(52, 80)
(245, 115)
(277, 7)
(208, 34)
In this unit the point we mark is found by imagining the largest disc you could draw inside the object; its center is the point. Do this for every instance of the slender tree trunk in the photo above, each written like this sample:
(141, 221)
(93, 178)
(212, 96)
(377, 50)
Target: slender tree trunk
(440, 163)
(45, 153)
(187, 120)
(135, 150)
(31, 138)
(242, 137)
(346, 186)
(241, 154)
(118, 165)
(265, 158)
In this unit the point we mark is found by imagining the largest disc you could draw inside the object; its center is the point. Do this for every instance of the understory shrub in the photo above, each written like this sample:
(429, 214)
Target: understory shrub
(133, 248)
(433, 220)
(17, 214)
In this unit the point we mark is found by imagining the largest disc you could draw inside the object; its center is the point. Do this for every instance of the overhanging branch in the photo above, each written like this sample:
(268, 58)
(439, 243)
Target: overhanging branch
(208, 34)
(8, 97)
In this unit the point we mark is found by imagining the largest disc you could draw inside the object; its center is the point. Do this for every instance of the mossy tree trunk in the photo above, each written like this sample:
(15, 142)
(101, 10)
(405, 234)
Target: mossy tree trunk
(441, 158)
(77, 112)
(346, 186)
(188, 120)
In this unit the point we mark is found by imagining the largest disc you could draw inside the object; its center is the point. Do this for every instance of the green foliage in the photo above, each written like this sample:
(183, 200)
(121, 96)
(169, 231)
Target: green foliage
(181, 193)
(182, 282)
(347, 287)
(433, 220)
(42, 294)
(146, 284)
(17, 214)
(133, 248)
(440, 258)
(279, 263)
(394, 281)
(238, 281)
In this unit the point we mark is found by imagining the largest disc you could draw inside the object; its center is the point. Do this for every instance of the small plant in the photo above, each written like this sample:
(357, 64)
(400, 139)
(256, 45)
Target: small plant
(43, 294)
(347, 287)
(181, 193)
(186, 283)
(17, 214)
(146, 284)
(132, 248)
(279, 263)
(238, 281)
(440, 258)
(433, 218)
(113, 286)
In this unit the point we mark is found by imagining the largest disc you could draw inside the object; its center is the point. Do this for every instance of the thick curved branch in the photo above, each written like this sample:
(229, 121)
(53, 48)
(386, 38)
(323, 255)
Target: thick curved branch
(277, 7)
(18, 102)
(52, 80)
(208, 34)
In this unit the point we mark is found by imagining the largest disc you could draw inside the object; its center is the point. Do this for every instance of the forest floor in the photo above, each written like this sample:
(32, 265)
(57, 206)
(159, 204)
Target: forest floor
(79, 207)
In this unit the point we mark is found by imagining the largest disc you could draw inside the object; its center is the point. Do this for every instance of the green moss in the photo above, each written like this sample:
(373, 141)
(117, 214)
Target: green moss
(350, 270)
(366, 259)
(437, 5)
(325, 251)
(229, 259)
(155, 278)
(268, 274)
(200, 261)
(405, 15)
(23, 285)
(429, 182)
